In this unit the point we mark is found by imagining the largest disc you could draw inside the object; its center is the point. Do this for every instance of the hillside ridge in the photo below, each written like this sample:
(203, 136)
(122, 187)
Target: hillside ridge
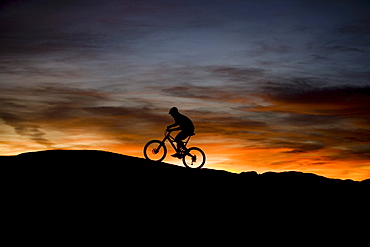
(98, 157)
(105, 179)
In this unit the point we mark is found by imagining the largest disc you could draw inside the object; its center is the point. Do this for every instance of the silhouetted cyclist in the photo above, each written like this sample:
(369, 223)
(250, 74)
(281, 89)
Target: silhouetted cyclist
(185, 125)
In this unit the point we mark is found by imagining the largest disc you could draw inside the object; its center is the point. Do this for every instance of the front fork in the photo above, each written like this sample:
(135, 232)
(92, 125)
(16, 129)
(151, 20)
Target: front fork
(155, 151)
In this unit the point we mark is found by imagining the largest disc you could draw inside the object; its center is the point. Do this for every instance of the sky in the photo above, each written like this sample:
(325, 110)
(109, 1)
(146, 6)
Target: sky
(270, 85)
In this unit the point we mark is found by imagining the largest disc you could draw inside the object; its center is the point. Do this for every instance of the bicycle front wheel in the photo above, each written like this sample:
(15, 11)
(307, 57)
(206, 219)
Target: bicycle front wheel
(155, 150)
(195, 158)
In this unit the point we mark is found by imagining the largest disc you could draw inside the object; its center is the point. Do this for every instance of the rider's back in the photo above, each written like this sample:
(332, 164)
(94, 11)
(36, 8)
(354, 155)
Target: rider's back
(184, 122)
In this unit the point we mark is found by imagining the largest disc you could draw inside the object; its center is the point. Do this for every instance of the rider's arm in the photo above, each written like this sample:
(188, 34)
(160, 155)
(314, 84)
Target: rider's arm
(173, 125)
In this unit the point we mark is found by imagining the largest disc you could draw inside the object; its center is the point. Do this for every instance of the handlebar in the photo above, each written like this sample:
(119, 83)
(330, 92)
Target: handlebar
(167, 131)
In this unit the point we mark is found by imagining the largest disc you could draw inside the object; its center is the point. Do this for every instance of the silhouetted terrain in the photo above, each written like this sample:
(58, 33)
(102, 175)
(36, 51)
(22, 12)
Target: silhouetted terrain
(92, 168)
(96, 186)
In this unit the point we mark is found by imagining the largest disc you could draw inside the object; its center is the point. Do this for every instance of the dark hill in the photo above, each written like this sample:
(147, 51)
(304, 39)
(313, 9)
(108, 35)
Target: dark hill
(69, 163)
(97, 189)
(87, 173)
(72, 163)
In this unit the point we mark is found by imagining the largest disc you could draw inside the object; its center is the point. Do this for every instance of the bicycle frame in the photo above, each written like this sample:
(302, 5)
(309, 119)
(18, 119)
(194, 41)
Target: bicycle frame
(171, 139)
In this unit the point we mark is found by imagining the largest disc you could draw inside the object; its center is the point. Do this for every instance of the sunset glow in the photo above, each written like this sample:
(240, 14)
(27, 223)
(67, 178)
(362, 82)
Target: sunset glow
(269, 85)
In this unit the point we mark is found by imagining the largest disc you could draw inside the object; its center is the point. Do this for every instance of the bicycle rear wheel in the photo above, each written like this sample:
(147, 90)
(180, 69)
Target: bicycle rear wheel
(195, 158)
(155, 150)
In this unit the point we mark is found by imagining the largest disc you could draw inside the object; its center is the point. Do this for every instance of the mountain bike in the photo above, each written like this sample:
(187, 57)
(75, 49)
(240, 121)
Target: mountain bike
(156, 150)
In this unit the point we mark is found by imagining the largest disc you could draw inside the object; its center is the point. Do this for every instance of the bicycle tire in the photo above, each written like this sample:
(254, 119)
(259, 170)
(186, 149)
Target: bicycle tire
(149, 150)
(197, 153)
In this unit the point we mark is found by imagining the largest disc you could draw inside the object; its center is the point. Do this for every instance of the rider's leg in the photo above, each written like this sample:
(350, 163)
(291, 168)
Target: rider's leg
(182, 135)
(180, 144)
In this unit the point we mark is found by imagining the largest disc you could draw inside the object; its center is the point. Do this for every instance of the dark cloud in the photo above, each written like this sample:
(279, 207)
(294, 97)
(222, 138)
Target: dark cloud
(343, 48)
(361, 27)
(353, 153)
(200, 92)
(129, 116)
(298, 148)
(304, 120)
(29, 110)
(236, 84)
(33, 132)
(237, 74)
(346, 137)
(264, 48)
(228, 125)
(336, 100)
(39, 27)
(32, 111)
(23, 128)
(310, 118)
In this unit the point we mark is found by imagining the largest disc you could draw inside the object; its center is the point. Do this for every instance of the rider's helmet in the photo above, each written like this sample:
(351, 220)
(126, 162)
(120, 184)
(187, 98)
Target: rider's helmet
(173, 110)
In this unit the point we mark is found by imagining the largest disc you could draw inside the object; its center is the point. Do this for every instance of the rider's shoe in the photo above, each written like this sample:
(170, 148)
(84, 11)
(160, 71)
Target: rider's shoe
(177, 155)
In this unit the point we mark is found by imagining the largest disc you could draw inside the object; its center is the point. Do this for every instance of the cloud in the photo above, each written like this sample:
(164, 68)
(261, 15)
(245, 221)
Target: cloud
(38, 28)
(303, 147)
(228, 125)
(200, 92)
(350, 101)
(264, 48)
(236, 74)
(361, 27)
(216, 83)
(31, 131)
(37, 111)
(310, 118)
(31, 111)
